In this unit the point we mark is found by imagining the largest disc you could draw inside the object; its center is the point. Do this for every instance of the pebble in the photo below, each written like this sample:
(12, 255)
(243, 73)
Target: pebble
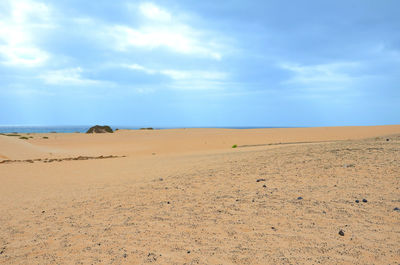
(188, 251)
(258, 180)
(341, 233)
(299, 198)
(357, 201)
(397, 209)
(125, 255)
(364, 200)
(264, 186)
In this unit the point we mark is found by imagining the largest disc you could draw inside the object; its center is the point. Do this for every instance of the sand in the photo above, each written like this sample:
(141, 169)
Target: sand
(186, 196)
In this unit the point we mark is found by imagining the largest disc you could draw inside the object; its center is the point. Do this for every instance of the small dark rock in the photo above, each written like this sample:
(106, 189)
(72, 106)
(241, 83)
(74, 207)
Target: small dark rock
(188, 251)
(168, 202)
(357, 201)
(43, 211)
(100, 129)
(397, 209)
(259, 180)
(299, 198)
(341, 233)
(273, 228)
(264, 186)
(387, 140)
(161, 179)
(364, 200)
(125, 255)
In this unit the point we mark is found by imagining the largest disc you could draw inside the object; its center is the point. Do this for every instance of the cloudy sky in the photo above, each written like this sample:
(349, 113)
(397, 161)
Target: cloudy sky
(195, 63)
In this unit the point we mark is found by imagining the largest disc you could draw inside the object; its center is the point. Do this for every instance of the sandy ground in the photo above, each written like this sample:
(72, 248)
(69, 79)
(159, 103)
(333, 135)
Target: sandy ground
(187, 197)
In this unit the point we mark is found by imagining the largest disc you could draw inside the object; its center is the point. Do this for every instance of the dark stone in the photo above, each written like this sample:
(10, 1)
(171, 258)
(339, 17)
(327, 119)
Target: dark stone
(341, 233)
(43, 211)
(364, 200)
(397, 209)
(125, 255)
(387, 140)
(299, 198)
(100, 129)
(357, 201)
(168, 203)
(259, 180)
(188, 251)
(264, 186)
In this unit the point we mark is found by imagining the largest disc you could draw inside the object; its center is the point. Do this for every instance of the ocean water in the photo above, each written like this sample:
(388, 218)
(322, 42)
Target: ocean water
(84, 128)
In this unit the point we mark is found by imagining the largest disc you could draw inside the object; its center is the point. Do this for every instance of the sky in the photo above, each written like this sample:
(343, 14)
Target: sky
(208, 63)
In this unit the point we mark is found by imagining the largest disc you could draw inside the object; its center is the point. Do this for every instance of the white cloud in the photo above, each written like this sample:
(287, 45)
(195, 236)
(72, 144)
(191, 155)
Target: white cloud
(17, 33)
(187, 79)
(194, 75)
(140, 68)
(27, 11)
(151, 11)
(70, 76)
(323, 76)
(23, 55)
(160, 29)
(180, 74)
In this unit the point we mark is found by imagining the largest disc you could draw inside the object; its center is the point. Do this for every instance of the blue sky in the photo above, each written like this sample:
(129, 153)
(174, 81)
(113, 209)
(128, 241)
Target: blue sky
(200, 63)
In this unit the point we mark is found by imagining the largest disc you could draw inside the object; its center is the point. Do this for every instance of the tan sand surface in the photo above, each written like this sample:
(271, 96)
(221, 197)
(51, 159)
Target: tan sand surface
(186, 197)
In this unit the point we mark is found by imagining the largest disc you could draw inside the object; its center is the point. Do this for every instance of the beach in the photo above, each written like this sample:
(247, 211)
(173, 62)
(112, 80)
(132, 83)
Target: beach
(185, 196)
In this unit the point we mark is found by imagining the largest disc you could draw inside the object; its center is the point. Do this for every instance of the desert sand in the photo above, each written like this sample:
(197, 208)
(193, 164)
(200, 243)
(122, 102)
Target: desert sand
(185, 196)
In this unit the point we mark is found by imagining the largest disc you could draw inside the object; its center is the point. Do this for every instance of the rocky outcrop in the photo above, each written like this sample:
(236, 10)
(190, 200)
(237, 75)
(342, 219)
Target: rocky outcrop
(100, 129)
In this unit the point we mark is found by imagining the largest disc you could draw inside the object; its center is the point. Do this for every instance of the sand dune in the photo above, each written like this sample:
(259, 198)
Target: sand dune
(12, 147)
(187, 197)
(176, 141)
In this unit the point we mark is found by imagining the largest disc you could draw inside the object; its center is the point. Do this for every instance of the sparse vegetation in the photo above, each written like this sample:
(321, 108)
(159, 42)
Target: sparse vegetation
(149, 128)
(45, 137)
(234, 146)
(13, 134)
(23, 138)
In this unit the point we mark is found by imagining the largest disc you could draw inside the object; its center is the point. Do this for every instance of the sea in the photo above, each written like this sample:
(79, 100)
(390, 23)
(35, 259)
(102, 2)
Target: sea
(84, 128)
